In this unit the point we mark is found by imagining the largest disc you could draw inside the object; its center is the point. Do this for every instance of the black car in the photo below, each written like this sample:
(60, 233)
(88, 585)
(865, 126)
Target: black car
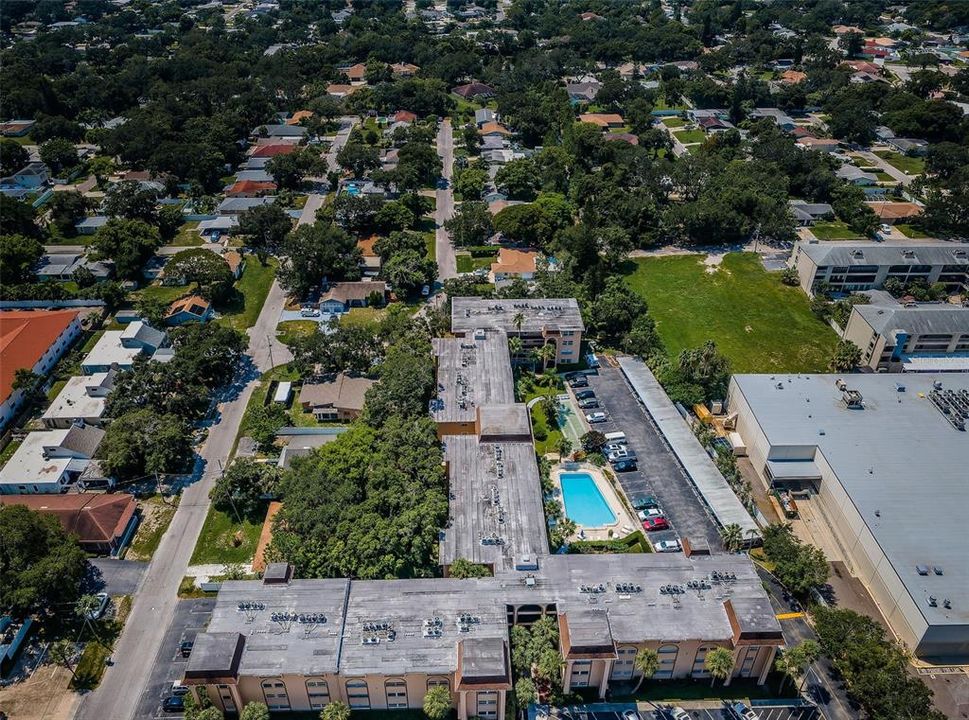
(589, 404)
(174, 704)
(585, 394)
(644, 502)
(186, 648)
(625, 465)
(579, 382)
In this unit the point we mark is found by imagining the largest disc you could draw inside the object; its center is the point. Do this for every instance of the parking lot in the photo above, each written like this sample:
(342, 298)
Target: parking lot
(659, 473)
(617, 711)
(191, 617)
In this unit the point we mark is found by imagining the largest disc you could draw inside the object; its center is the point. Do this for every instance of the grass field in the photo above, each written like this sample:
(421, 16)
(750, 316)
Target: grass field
(187, 236)
(156, 515)
(690, 136)
(908, 165)
(8, 451)
(163, 293)
(226, 540)
(242, 308)
(466, 263)
(835, 230)
(910, 231)
(674, 122)
(540, 427)
(758, 323)
(289, 330)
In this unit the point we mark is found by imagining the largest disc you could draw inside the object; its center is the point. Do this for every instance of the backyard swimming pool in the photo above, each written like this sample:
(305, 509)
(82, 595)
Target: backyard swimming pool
(583, 502)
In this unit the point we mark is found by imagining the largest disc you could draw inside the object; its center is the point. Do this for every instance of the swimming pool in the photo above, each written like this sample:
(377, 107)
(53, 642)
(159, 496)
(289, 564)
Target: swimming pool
(583, 502)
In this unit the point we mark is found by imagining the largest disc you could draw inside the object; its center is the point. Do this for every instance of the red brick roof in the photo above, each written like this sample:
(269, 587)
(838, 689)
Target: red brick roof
(271, 151)
(247, 187)
(93, 517)
(25, 335)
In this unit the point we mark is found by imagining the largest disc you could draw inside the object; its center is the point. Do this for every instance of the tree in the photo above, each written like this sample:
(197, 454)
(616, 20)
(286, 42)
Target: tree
(563, 447)
(847, 356)
(471, 138)
(358, 158)
(254, 711)
(406, 383)
(646, 663)
(462, 569)
(62, 652)
(799, 566)
(418, 165)
(470, 182)
(86, 608)
(18, 217)
(407, 271)
(732, 537)
(437, 702)
(335, 710)
(58, 154)
(719, 663)
(613, 311)
(41, 567)
(288, 170)
(131, 201)
(525, 693)
(471, 224)
(18, 256)
(13, 156)
(66, 210)
(170, 219)
(263, 422)
(394, 216)
(143, 442)
(205, 268)
(265, 227)
(795, 660)
(517, 179)
(30, 385)
(128, 243)
(851, 43)
(242, 486)
(592, 441)
(397, 242)
(546, 354)
(318, 252)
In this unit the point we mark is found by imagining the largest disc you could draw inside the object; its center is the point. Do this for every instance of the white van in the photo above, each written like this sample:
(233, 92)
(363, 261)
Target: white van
(615, 437)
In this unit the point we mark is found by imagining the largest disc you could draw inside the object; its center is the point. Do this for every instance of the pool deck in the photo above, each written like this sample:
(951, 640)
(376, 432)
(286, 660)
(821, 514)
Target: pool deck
(625, 524)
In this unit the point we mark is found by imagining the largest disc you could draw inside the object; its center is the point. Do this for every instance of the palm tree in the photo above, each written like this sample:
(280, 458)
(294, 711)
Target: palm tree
(733, 537)
(718, 662)
(515, 346)
(795, 660)
(519, 320)
(647, 662)
(85, 608)
(62, 653)
(751, 535)
(564, 447)
(546, 354)
(550, 407)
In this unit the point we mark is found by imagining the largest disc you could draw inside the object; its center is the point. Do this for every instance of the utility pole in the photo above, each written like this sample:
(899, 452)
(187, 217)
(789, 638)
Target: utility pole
(269, 344)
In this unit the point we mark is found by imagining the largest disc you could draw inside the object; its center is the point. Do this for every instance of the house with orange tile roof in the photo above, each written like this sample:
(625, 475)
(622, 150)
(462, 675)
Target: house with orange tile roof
(188, 310)
(370, 261)
(340, 90)
(236, 261)
(793, 77)
(297, 117)
(404, 70)
(404, 116)
(493, 129)
(604, 120)
(892, 212)
(31, 340)
(356, 74)
(99, 522)
(813, 143)
(512, 264)
(250, 188)
(271, 150)
(863, 66)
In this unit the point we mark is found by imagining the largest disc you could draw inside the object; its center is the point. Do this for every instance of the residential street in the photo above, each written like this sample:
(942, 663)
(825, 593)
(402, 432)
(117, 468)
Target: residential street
(313, 203)
(887, 167)
(346, 127)
(154, 605)
(447, 266)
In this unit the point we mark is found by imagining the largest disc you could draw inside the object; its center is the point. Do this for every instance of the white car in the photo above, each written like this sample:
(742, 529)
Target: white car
(665, 546)
(617, 455)
(613, 447)
(679, 713)
(309, 312)
(886, 229)
(596, 417)
(98, 611)
(742, 712)
(650, 512)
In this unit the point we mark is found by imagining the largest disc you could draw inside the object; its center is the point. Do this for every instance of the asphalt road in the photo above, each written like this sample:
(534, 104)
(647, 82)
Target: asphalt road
(346, 127)
(155, 603)
(115, 577)
(447, 266)
(659, 471)
(313, 203)
(887, 167)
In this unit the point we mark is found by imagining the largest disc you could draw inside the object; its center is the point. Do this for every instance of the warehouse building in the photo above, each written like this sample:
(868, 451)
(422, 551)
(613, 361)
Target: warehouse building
(886, 461)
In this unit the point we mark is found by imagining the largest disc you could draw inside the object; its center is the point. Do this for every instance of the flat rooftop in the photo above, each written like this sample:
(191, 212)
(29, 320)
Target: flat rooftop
(73, 401)
(108, 350)
(897, 456)
(28, 465)
(486, 503)
(919, 319)
(538, 315)
(648, 614)
(471, 372)
(908, 252)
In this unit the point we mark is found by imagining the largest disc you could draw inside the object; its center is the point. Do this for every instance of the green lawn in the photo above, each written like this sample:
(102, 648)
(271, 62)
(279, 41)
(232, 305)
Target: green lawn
(835, 230)
(540, 427)
(8, 451)
(225, 540)
(758, 323)
(690, 136)
(166, 294)
(908, 165)
(910, 231)
(431, 241)
(673, 691)
(289, 330)
(156, 516)
(187, 236)
(242, 308)
(674, 122)
(467, 263)
(362, 315)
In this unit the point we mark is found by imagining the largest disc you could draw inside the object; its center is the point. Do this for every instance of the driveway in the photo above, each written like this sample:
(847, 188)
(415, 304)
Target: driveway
(322, 318)
(190, 618)
(886, 167)
(314, 202)
(659, 471)
(115, 577)
(447, 264)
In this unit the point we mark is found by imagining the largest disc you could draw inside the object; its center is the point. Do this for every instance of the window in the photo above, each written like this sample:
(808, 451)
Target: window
(747, 666)
(580, 673)
(622, 667)
(396, 693)
(358, 694)
(437, 682)
(275, 693)
(699, 667)
(667, 662)
(488, 704)
(318, 692)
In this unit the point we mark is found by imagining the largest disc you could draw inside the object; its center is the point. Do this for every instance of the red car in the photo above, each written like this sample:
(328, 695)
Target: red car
(655, 523)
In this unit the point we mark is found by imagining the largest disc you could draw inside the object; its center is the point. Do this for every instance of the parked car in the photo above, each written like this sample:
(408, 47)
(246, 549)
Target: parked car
(591, 360)
(657, 522)
(98, 610)
(742, 712)
(885, 228)
(650, 512)
(678, 713)
(617, 455)
(174, 704)
(643, 502)
(309, 312)
(625, 466)
(665, 546)
(612, 447)
(596, 417)
(178, 689)
(579, 381)
(186, 648)
(585, 395)
(588, 403)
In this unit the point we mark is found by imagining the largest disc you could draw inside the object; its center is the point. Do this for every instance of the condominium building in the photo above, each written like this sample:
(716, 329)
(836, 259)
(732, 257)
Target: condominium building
(853, 266)
(911, 337)
(883, 459)
(536, 321)
(381, 644)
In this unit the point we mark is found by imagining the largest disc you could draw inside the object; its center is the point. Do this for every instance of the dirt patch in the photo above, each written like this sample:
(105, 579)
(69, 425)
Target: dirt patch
(155, 517)
(42, 696)
(265, 537)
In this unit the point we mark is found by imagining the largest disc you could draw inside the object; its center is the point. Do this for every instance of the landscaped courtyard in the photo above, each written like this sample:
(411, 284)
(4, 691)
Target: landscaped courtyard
(758, 323)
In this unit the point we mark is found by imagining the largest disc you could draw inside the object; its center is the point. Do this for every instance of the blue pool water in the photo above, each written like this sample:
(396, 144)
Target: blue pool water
(583, 502)
(352, 190)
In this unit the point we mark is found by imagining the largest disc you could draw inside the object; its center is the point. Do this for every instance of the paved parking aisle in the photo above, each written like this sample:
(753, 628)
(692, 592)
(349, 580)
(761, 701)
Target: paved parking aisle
(191, 617)
(659, 471)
